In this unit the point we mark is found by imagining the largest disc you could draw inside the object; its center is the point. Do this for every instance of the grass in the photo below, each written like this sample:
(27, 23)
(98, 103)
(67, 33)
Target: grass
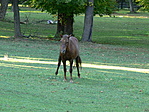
(123, 29)
(29, 86)
(114, 75)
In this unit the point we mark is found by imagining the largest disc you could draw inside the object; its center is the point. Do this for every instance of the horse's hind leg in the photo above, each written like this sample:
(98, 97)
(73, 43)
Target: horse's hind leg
(77, 65)
(71, 63)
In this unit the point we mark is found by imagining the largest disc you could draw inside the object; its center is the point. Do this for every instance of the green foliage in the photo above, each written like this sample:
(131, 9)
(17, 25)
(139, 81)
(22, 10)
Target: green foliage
(63, 6)
(75, 6)
(145, 4)
(104, 7)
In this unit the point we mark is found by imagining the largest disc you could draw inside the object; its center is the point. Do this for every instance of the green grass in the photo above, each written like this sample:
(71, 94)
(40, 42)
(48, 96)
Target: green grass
(123, 29)
(30, 87)
(27, 77)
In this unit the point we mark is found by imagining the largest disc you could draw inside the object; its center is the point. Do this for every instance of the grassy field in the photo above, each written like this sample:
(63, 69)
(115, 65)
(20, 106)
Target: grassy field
(114, 75)
(120, 29)
(116, 78)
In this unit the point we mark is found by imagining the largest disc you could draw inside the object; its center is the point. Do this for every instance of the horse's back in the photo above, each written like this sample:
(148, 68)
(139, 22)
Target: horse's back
(74, 41)
(74, 45)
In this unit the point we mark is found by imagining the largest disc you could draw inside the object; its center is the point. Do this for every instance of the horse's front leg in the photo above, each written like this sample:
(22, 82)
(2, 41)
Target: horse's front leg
(64, 66)
(71, 63)
(59, 63)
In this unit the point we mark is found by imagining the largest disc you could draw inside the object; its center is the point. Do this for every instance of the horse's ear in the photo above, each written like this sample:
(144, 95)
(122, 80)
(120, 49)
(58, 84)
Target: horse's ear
(61, 39)
(70, 35)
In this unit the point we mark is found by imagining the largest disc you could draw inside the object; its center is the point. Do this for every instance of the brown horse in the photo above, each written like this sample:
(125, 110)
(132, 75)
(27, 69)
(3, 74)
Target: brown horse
(69, 50)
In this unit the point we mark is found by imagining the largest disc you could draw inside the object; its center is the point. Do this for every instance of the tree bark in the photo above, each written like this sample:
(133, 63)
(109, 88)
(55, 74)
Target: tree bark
(65, 24)
(68, 27)
(17, 27)
(122, 1)
(3, 8)
(131, 6)
(88, 22)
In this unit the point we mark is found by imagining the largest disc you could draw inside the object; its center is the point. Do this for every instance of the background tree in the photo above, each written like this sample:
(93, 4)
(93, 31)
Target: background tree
(104, 7)
(131, 5)
(144, 4)
(66, 9)
(88, 21)
(17, 27)
(94, 7)
(3, 8)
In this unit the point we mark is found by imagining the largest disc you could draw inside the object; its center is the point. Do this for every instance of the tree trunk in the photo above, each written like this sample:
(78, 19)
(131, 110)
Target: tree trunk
(88, 21)
(122, 1)
(3, 8)
(65, 24)
(131, 6)
(68, 27)
(17, 28)
(60, 27)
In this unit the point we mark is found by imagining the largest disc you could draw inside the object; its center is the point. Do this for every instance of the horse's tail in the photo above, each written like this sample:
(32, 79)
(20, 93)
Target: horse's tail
(79, 61)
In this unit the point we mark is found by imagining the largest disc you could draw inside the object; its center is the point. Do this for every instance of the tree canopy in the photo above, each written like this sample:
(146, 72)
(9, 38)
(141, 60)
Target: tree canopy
(145, 4)
(61, 6)
(75, 6)
(65, 9)
(104, 6)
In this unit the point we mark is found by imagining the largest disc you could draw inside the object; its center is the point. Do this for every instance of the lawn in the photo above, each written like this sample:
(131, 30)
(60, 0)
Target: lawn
(120, 29)
(114, 75)
(28, 82)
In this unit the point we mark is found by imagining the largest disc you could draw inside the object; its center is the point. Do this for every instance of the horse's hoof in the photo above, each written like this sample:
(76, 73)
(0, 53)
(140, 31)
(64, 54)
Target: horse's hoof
(71, 81)
(65, 80)
(56, 73)
(78, 75)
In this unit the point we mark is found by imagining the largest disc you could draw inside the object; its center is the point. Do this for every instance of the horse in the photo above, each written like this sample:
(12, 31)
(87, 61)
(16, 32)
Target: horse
(69, 50)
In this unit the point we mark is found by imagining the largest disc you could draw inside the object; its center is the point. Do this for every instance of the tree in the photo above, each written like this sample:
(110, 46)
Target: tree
(131, 6)
(104, 7)
(99, 7)
(66, 9)
(144, 4)
(3, 8)
(88, 21)
(17, 27)
(122, 1)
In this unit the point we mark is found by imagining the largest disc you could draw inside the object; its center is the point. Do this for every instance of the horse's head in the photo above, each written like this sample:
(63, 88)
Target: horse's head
(64, 43)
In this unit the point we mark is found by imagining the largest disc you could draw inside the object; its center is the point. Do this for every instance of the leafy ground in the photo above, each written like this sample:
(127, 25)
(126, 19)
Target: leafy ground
(114, 72)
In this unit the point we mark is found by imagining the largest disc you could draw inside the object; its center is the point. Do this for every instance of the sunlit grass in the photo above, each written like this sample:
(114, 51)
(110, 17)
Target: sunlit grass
(24, 60)
(4, 36)
(32, 11)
